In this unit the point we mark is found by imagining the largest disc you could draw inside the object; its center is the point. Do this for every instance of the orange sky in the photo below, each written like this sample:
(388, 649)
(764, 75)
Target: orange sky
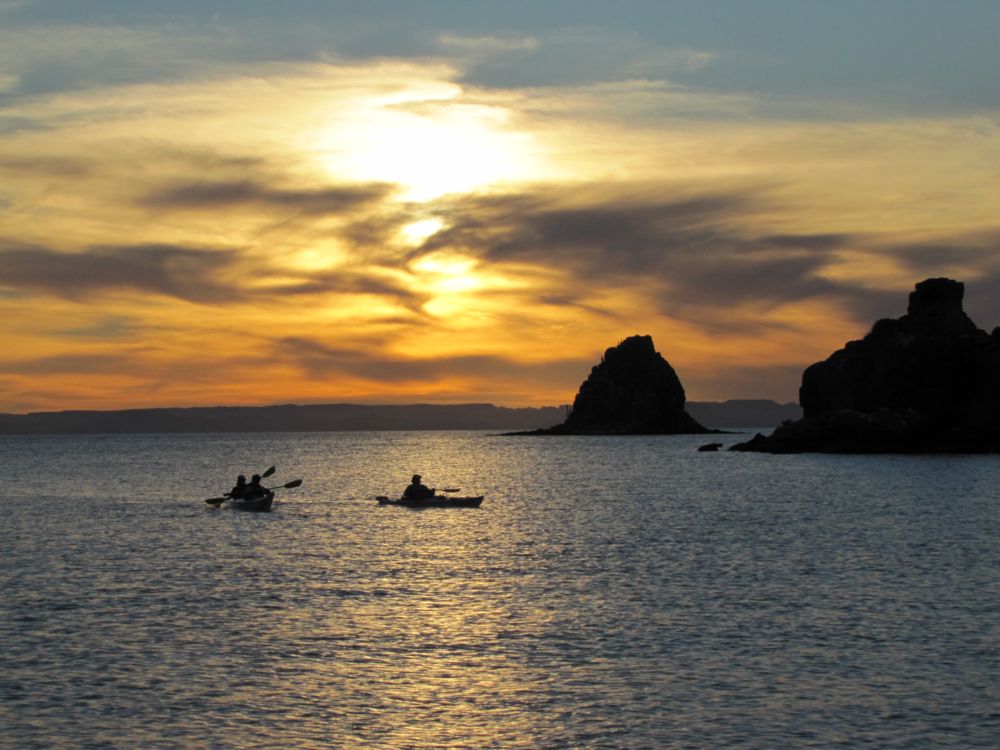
(388, 230)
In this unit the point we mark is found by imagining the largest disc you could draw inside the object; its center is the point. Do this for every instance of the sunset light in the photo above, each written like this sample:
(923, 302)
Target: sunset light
(532, 197)
(430, 146)
(449, 374)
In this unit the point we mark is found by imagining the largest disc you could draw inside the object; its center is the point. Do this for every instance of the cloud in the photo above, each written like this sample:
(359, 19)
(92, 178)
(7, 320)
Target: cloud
(209, 196)
(486, 45)
(700, 257)
(105, 328)
(573, 56)
(980, 251)
(49, 166)
(972, 258)
(696, 250)
(192, 274)
(79, 364)
(322, 361)
(349, 282)
(199, 275)
(533, 227)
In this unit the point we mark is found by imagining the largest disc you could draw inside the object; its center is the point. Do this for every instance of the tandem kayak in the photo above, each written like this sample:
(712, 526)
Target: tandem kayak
(438, 501)
(257, 504)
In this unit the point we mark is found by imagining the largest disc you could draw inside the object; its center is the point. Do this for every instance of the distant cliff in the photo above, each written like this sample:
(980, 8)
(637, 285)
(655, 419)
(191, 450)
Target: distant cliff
(743, 413)
(926, 382)
(349, 417)
(286, 418)
(633, 390)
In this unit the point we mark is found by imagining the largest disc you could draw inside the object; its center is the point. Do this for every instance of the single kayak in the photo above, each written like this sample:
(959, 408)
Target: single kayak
(260, 503)
(438, 501)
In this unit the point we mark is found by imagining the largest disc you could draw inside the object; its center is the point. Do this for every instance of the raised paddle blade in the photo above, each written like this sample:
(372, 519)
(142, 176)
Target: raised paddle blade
(268, 473)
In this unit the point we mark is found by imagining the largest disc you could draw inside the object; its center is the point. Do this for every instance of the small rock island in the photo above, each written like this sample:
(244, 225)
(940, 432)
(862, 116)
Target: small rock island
(928, 382)
(633, 390)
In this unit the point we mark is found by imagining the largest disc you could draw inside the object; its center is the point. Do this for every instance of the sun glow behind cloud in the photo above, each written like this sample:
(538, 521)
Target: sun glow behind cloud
(431, 142)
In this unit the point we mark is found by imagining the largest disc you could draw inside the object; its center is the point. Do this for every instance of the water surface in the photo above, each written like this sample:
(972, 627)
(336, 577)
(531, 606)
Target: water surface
(610, 592)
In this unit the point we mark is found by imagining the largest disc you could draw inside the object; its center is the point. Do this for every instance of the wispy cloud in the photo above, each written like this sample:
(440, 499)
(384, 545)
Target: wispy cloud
(322, 361)
(191, 274)
(488, 45)
(210, 196)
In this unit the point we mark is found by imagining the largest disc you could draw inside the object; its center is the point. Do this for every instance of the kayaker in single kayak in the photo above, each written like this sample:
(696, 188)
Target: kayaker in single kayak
(416, 491)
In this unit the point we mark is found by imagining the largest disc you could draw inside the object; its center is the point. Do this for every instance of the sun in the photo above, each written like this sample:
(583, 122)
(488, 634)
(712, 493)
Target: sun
(418, 231)
(430, 143)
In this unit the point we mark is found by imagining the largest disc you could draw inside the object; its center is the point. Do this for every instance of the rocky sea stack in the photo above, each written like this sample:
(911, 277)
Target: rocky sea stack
(926, 382)
(632, 391)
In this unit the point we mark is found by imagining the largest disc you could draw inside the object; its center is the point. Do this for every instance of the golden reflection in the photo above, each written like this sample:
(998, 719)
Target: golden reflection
(434, 640)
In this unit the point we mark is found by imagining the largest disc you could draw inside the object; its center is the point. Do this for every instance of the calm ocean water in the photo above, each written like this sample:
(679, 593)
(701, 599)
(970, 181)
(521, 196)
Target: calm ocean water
(610, 593)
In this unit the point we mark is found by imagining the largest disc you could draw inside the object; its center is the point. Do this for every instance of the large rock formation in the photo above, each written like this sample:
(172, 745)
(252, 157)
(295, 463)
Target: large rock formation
(632, 391)
(926, 382)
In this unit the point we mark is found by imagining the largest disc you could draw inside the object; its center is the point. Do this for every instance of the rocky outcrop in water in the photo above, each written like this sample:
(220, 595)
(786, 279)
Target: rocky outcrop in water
(632, 391)
(926, 382)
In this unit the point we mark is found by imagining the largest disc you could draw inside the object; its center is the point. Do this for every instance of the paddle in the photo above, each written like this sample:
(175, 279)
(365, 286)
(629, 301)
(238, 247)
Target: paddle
(287, 485)
(451, 489)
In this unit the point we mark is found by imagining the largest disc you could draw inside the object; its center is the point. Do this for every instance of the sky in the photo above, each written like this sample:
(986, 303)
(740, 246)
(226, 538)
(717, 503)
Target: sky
(252, 202)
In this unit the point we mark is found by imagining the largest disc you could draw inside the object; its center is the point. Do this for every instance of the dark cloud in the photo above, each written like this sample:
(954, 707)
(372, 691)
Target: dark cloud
(575, 300)
(377, 233)
(147, 368)
(606, 239)
(200, 275)
(350, 282)
(49, 166)
(817, 242)
(106, 328)
(213, 195)
(694, 257)
(690, 251)
(219, 162)
(955, 257)
(62, 364)
(982, 250)
(192, 274)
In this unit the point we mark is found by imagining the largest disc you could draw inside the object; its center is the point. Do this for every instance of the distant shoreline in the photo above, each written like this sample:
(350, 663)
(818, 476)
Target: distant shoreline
(355, 418)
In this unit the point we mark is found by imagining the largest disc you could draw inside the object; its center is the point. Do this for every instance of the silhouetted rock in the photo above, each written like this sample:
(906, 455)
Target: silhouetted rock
(926, 382)
(632, 391)
(709, 447)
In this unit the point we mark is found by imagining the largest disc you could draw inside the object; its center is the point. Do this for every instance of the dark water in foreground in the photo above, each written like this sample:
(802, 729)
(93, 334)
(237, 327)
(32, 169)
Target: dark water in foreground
(618, 593)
